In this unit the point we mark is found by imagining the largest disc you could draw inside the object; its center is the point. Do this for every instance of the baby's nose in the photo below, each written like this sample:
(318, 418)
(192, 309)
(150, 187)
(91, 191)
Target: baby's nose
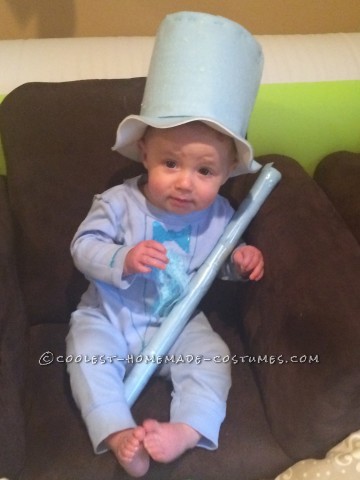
(184, 180)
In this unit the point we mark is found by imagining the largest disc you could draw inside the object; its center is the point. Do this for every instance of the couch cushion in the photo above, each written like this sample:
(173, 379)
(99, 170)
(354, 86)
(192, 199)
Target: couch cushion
(59, 447)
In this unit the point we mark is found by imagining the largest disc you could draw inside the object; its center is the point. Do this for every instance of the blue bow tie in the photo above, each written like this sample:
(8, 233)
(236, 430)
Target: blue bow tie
(181, 237)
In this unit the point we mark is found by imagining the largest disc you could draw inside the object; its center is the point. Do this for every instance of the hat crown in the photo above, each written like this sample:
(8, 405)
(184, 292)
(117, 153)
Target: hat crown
(203, 66)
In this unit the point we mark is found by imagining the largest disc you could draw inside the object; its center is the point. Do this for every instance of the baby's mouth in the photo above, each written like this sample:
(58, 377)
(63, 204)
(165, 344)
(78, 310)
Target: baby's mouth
(181, 201)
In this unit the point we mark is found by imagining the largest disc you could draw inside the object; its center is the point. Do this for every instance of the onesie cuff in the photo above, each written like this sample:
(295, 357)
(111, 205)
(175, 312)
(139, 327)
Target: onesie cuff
(117, 265)
(229, 271)
(106, 420)
(197, 416)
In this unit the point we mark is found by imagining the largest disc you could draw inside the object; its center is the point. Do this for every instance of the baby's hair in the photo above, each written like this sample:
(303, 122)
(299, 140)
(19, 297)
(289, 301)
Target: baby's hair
(222, 137)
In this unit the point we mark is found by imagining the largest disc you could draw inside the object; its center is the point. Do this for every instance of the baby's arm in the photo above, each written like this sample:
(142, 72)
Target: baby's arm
(98, 247)
(249, 262)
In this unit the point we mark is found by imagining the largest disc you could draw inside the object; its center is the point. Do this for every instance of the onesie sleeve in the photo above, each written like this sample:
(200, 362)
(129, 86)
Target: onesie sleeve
(98, 248)
(228, 270)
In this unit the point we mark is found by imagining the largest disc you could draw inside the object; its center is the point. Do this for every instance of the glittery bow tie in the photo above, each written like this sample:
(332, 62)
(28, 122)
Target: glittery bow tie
(181, 237)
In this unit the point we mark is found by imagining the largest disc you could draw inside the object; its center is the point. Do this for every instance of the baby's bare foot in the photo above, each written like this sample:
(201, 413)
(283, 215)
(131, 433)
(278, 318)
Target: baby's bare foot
(167, 441)
(129, 450)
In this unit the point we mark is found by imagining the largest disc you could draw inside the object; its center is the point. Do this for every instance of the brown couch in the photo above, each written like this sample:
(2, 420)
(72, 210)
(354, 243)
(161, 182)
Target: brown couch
(296, 333)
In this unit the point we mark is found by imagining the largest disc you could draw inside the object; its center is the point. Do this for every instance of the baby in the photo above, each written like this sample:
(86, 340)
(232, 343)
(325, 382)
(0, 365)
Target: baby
(119, 249)
(142, 241)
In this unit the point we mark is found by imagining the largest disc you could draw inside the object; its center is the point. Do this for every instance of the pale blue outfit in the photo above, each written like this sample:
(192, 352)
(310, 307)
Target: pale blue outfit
(117, 316)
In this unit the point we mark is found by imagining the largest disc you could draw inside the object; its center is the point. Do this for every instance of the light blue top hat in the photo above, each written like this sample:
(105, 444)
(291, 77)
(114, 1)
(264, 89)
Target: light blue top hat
(203, 68)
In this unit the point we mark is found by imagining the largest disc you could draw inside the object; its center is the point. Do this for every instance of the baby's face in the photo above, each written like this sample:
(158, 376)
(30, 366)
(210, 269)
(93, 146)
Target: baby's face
(186, 166)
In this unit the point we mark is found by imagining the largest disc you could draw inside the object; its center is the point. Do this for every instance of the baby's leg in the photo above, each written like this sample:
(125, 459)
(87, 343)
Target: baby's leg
(96, 383)
(129, 450)
(200, 386)
(167, 441)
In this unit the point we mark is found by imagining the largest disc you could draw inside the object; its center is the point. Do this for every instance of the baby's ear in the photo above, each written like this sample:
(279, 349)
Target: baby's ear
(142, 152)
(232, 167)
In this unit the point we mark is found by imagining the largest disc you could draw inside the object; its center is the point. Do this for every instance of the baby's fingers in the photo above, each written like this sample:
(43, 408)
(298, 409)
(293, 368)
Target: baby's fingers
(155, 260)
(258, 272)
(154, 245)
(155, 255)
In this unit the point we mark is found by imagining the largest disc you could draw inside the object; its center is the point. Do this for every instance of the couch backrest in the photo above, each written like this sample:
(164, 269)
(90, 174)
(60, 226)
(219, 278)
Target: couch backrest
(58, 139)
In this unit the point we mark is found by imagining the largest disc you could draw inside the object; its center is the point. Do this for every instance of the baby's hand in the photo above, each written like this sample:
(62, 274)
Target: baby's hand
(249, 262)
(144, 256)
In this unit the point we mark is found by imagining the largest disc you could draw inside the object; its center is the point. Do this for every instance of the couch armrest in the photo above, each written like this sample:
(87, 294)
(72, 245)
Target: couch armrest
(304, 316)
(12, 350)
(338, 174)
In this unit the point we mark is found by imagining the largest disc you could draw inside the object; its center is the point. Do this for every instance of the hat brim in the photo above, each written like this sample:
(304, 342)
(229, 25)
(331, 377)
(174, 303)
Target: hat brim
(133, 127)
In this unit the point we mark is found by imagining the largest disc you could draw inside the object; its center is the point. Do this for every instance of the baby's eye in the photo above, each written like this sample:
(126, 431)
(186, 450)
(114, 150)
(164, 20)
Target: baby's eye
(170, 163)
(205, 171)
